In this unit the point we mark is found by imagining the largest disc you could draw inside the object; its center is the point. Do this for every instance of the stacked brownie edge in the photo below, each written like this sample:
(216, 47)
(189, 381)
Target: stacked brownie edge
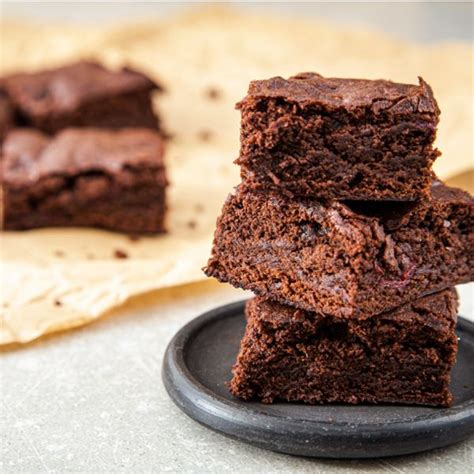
(81, 146)
(401, 356)
(80, 94)
(351, 244)
(347, 260)
(339, 138)
(113, 179)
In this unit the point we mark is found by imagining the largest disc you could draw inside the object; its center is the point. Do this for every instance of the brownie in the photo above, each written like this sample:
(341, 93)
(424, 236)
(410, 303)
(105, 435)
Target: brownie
(113, 179)
(7, 113)
(401, 356)
(329, 138)
(83, 94)
(349, 259)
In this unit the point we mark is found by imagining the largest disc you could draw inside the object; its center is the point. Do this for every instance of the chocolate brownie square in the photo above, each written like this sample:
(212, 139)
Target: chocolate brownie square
(349, 259)
(401, 356)
(320, 137)
(113, 179)
(7, 113)
(83, 94)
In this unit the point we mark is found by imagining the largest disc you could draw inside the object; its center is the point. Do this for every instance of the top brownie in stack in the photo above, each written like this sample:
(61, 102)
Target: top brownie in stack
(82, 94)
(319, 137)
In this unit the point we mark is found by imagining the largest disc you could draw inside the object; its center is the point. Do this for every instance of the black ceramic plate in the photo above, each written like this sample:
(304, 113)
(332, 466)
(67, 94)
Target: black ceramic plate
(198, 364)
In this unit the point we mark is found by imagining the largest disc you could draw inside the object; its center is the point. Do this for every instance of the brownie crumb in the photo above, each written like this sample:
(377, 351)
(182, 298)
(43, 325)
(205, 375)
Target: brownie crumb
(192, 224)
(213, 93)
(205, 135)
(120, 254)
(57, 303)
(59, 253)
(168, 136)
(134, 237)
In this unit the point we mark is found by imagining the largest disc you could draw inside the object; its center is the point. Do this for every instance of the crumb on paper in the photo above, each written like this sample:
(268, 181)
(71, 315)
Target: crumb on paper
(213, 93)
(120, 254)
(57, 303)
(59, 253)
(192, 224)
(204, 135)
(134, 237)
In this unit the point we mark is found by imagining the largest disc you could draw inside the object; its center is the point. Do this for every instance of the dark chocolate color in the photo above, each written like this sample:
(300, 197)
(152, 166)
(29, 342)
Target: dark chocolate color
(84, 177)
(7, 113)
(331, 138)
(82, 94)
(402, 356)
(348, 259)
(199, 360)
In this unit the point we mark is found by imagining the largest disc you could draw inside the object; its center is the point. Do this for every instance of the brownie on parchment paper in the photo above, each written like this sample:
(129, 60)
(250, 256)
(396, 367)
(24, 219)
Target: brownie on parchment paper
(347, 259)
(7, 113)
(401, 356)
(82, 94)
(112, 179)
(329, 138)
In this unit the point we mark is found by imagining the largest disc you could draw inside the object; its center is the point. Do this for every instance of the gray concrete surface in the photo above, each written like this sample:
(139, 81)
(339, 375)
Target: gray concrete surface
(92, 400)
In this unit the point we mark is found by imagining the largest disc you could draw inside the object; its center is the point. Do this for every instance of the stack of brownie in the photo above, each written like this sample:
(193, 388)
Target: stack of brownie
(81, 146)
(350, 243)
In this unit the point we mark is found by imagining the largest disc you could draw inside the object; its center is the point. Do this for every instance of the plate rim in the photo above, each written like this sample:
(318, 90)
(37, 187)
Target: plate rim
(213, 410)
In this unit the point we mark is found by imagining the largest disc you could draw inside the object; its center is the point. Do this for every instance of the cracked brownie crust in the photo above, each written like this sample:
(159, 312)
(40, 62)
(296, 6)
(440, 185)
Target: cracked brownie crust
(348, 259)
(82, 94)
(402, 356)
(84, 177)
(330, 138)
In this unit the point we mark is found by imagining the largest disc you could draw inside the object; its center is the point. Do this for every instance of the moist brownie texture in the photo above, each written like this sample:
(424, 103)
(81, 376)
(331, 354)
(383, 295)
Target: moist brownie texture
(401, 356)
(348, 259)
(83, 94)
(7, 113)
(330, 138)
(84, 177)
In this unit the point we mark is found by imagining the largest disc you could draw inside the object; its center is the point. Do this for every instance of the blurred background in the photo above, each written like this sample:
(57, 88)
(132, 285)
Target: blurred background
(427, 21)
(91, 400)
(192, 48)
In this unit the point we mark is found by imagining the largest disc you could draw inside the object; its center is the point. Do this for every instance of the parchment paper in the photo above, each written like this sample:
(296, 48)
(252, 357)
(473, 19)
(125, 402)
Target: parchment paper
(54, 279)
